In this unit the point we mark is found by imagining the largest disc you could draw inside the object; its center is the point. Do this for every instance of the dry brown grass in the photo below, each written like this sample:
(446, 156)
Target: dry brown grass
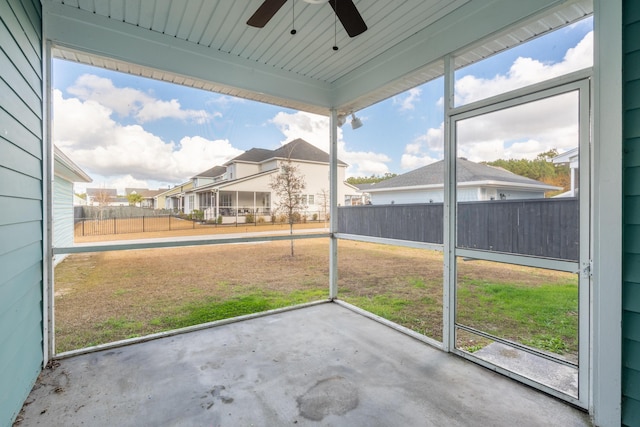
(102, 297)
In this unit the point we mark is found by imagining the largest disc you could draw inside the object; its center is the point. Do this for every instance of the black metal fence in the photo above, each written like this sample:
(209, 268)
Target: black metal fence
(140, 224)
(539, 227)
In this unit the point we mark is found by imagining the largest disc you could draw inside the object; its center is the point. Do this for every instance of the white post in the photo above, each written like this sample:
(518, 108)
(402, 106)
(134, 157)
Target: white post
(449, 217)
(333, 204)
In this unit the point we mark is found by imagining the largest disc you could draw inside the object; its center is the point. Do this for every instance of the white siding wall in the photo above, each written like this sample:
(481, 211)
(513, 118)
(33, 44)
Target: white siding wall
(21, 198)
(62, 214)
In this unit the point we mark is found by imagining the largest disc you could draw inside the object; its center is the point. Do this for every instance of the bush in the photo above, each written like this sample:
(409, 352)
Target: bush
(261, 220)
(249, 218)
(219, 219)
(273, 219)
(197, 215)
(282, 218)
(314, 217)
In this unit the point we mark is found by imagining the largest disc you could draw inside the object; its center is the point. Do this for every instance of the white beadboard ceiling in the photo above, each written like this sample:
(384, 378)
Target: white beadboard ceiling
(214, 49)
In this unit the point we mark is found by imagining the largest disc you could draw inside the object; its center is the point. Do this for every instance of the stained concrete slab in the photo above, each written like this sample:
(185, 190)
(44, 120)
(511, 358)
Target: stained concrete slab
(561, 377)
(321, 365)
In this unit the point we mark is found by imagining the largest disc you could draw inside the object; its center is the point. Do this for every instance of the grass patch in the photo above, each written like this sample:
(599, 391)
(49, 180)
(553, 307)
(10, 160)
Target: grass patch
(543, 316)
(211, 310)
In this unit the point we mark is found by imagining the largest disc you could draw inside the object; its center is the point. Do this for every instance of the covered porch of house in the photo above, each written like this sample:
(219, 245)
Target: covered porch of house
(231, 205)
(318, 364)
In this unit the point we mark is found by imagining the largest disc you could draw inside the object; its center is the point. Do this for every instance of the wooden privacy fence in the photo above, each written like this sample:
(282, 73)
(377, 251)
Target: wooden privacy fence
(540, 227)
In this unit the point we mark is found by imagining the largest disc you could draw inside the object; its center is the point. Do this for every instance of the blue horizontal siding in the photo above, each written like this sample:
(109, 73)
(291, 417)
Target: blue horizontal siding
(632, 41)
(631, 413)
(13, 52)
(631, 210)
(20, 110)
(632, 180)
(631, 216)
(19, 160)
(631, 322)
(631, 382)
(22, 210)
(19, 37)
(632, 246)
(631, 297)
(632, 64)
(632, 153)
(16, 236)
(13, 130)
(632, 123)
(21, 227)
(16, 184)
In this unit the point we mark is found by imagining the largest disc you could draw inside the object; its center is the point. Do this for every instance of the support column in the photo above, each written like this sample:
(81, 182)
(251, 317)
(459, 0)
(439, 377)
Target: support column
(333, 204)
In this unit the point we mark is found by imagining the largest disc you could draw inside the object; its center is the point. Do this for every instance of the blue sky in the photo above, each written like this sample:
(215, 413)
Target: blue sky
(128, 131)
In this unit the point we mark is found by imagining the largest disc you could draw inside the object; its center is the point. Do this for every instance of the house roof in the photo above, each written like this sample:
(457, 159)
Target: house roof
(212, 173)
(111, 192)
(467, 171)
(145, 192)
(298, 149)
(67, 169)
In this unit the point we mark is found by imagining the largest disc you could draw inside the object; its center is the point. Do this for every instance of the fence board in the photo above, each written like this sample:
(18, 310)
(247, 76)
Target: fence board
(539, 227)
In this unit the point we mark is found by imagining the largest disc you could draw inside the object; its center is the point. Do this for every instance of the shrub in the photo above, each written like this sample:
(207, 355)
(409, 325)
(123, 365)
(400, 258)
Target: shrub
(314, 217)
(197, 215)
(261, 220)
(273, 219)
(249, 218)
(219, 219)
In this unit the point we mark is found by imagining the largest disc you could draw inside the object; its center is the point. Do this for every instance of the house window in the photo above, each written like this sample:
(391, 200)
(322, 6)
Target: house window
(311, 199)
(225, 199)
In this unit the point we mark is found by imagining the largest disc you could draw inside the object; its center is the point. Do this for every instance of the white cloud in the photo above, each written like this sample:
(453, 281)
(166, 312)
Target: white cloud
(519, 132)
(407, 100)
(105, 148)
(523, 72)
(126, 101)
(315, 130)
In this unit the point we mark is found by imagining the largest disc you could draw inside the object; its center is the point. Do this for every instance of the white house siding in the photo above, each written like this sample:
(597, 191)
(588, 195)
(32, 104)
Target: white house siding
(62, 215)
(21, 196)
(515, 194)
(420, 196)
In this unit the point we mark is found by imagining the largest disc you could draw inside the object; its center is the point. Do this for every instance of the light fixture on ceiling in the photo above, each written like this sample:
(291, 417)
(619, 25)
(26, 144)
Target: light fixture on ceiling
(355, 122)
(341, 119)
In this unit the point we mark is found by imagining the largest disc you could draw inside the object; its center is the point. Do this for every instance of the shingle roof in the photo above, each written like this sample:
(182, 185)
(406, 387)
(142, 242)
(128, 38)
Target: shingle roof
(110, 192)
(298, 149)
(213, 172)
(467, 171)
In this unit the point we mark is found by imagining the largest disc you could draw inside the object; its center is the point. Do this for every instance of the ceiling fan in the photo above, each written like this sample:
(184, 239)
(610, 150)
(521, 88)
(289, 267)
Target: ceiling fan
(345, 10)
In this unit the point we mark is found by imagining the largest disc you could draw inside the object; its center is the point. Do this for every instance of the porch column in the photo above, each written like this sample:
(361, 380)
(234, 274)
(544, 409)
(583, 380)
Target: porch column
(254, 206)
(237, 206)
(333, 204)
(217, 205)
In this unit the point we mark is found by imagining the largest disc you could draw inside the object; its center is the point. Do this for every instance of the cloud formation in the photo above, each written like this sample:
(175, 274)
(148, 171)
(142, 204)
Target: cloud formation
(315, 130)
(87, 132)
(126, 101)
(520, 132)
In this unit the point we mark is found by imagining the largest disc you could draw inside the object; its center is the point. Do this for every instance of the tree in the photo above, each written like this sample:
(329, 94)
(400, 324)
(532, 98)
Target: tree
(540, 169)
(134, 199)
(102, 197)
(288, 186)
(355, 180)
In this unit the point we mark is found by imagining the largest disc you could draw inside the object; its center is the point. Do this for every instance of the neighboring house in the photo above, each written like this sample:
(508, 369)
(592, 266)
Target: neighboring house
(173, 198)
(65, 174)
(362, 197)
(105, 197)
(242, 185)
(148, 196)
(475, 182)
(572, 159)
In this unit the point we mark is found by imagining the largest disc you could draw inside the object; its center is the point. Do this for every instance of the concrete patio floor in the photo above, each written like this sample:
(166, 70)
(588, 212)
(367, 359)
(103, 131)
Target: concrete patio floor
(319, 365)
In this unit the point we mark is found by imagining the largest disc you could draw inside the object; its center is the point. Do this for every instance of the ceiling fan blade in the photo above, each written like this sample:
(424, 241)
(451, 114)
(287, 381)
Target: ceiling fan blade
(265, 12)
(349, 17)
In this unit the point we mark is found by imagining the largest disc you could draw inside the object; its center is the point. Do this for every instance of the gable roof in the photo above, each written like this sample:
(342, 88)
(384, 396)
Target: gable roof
(212, 173)
(467, 171)
(298, 149)
(110, 192)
